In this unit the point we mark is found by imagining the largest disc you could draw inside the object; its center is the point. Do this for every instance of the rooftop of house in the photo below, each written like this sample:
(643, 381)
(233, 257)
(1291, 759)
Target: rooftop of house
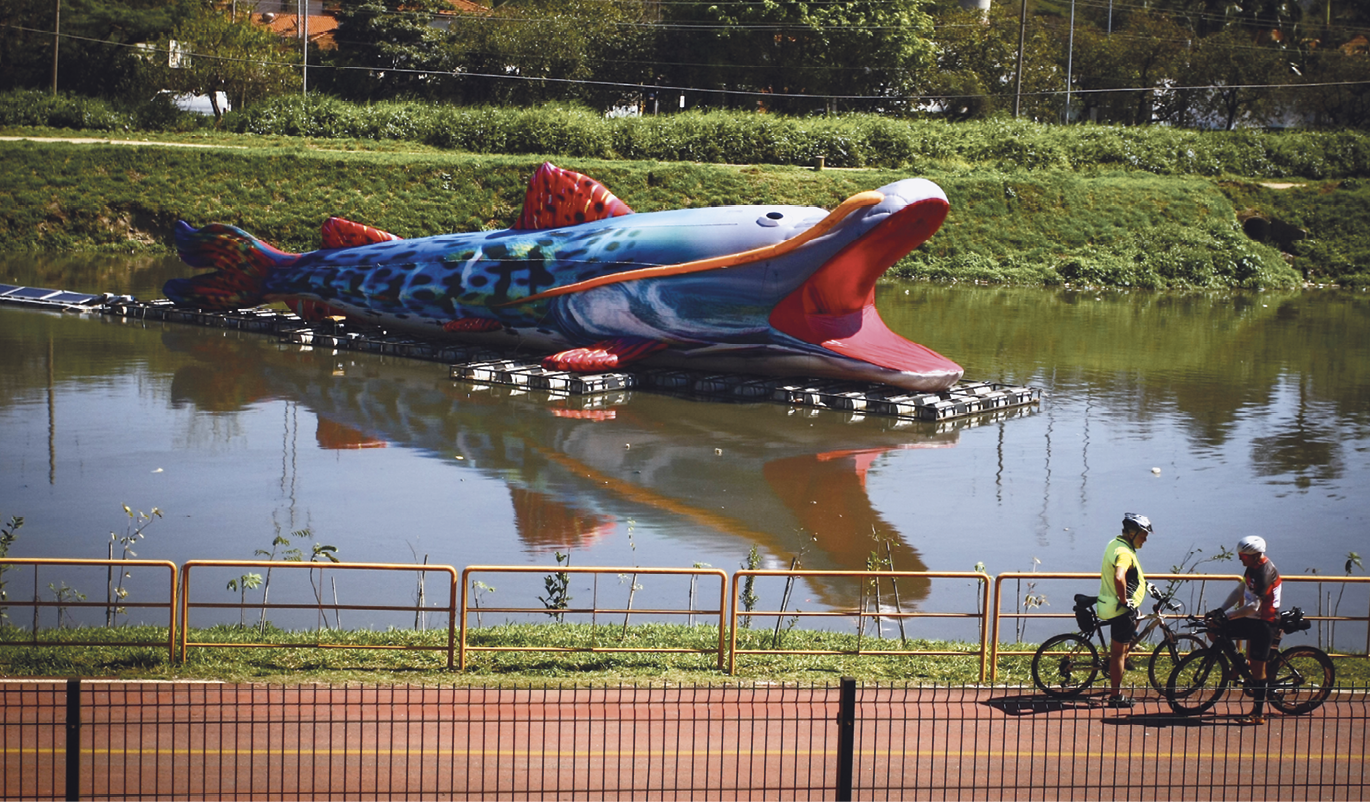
(321, 27)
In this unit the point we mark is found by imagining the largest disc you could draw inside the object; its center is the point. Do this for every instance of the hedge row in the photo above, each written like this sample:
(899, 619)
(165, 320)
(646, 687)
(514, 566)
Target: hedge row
(843, 141)
(745, 138)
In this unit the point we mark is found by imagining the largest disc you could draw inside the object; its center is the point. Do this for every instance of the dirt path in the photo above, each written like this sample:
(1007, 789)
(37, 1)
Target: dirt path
(80, 140)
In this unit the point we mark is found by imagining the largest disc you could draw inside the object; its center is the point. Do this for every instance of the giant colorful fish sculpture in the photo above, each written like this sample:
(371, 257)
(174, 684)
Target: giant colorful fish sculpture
(779, 290)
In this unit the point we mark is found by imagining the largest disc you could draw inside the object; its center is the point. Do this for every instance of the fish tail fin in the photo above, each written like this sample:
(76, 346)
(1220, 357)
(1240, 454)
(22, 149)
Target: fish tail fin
(242, 265)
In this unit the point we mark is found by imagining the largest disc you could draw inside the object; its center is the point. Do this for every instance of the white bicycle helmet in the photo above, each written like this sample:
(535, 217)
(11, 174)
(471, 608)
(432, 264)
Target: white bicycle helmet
(1251, 544)
(1132, 522)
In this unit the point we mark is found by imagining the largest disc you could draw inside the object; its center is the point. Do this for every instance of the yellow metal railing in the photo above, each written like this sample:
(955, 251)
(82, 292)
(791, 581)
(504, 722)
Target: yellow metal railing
(1329, 617)
(276, 565)
(740, 577)
(37, 604)
(465, 611)
(1089, 585)
(989, 617)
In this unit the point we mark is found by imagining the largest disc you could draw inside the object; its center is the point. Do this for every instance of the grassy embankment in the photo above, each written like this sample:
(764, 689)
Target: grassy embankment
(1055, 225)
(389, 665)
(337, 665)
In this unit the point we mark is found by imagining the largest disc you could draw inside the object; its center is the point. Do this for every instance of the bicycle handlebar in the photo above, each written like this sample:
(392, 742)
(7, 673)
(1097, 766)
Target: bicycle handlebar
(1163, 600)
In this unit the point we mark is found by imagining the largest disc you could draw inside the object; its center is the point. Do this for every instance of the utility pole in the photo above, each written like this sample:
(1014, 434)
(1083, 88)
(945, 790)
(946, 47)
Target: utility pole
(1022, 41)
(304, 47)
(1070, 57)
(56, 39)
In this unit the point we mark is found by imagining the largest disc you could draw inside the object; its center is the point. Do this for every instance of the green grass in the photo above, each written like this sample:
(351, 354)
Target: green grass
(291, 658)
(1123, 229)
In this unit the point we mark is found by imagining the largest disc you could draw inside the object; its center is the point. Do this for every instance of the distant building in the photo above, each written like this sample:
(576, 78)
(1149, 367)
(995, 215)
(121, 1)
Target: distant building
(283, 17)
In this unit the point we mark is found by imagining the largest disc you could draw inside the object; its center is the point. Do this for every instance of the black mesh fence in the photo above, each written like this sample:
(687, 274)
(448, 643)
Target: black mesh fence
(131, 740)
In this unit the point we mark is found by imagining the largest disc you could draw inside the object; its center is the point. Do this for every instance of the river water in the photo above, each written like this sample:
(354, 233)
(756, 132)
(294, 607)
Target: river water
(1218, 415)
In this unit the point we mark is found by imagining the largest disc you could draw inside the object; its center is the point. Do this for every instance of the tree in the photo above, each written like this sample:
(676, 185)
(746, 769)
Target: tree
(98, 54)
(1145, 53)
(388, 49)
(1235, 71)
(599, 43)
(1338, 94)
(978, 61)
(222, 54)
(840, 51)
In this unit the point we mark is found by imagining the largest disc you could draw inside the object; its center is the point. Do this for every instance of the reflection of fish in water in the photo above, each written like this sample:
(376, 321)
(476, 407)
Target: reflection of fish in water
(777, 289)
(788, 484)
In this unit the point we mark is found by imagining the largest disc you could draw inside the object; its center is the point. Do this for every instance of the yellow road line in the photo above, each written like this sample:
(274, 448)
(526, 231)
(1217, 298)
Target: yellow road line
(1320, 757)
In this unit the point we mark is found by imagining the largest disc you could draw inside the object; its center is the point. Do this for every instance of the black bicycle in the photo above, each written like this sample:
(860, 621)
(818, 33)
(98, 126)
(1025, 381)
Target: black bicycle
(1299, 679)
(1068, 664)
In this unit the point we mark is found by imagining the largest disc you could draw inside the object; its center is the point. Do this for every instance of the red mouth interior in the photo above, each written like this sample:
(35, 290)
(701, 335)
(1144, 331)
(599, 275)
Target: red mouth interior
(835, 308)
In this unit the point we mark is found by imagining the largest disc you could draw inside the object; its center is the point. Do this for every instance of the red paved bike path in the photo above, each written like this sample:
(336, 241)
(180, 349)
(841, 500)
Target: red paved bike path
(205, 740)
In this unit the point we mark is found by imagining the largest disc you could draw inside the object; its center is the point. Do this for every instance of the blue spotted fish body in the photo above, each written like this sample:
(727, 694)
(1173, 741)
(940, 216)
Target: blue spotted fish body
(434, 280)
(778, 289)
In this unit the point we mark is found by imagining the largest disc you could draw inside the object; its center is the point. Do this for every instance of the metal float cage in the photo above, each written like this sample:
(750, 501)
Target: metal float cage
(484, 367)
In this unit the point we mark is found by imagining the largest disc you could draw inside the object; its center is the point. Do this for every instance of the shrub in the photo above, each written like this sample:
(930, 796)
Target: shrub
(29, 107)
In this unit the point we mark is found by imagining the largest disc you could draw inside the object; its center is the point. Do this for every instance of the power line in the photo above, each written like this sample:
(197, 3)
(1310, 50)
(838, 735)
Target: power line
(923, 97)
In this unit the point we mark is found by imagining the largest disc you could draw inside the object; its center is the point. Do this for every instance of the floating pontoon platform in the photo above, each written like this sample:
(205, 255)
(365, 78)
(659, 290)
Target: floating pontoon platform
(51, 299)
(485, 367)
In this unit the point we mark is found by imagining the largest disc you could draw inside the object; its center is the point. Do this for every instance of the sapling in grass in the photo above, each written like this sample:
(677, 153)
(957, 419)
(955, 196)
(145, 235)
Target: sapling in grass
(478, 587)
(1190, 565)
(784, 602)
(558, 587)
(63, 595)
(898, 606)
(1030, 600)
(276, 543)
(420, 619)
(633, 588)
(1352, 561)
(870, 589)
(8, 534)
(242, 585)
(137, 524)
(748, 596)
(319, 553)
(694, 582)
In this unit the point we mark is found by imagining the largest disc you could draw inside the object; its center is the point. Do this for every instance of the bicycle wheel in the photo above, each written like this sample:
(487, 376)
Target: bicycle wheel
(1301, 678)
(1197, 682)
(1065, 665)
(1168, 655)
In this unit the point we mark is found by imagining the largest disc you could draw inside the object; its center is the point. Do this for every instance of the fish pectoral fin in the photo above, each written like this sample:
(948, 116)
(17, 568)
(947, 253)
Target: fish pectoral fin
(471, 325)
(341, 233)
(604, 355)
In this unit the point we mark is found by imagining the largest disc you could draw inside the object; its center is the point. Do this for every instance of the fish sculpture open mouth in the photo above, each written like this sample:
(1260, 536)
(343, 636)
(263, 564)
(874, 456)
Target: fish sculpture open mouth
(779, 290)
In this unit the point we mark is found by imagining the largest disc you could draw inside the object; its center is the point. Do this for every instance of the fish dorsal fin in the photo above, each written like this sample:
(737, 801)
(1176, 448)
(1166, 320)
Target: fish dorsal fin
(340, 233)
(558, 197)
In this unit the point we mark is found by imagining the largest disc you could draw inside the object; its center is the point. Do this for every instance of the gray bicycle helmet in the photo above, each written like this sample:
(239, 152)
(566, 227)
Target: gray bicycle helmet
(1132, 522)
(1251, 544)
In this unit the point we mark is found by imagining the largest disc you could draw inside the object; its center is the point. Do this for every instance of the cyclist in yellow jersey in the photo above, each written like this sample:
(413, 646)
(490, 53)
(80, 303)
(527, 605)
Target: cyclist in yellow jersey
(1122, 588)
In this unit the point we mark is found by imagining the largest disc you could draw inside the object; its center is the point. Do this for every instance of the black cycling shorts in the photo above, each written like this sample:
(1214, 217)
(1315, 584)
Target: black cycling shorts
(1123, 628)
(1259, 636)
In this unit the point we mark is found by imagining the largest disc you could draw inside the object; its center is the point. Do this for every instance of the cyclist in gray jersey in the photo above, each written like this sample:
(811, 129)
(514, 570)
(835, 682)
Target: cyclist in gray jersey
(1254, 615)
